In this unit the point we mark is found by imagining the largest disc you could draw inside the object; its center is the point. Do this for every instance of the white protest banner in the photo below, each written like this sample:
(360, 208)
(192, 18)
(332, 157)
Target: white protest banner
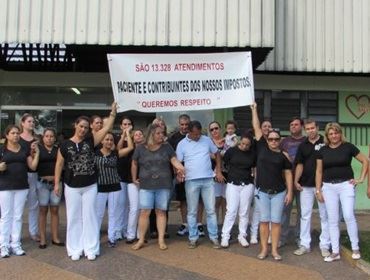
(181, 82)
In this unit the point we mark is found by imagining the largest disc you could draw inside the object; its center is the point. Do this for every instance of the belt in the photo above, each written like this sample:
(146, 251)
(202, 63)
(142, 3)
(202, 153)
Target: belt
(336, 181)
(270, 191)
(239, 183)
(46, 181)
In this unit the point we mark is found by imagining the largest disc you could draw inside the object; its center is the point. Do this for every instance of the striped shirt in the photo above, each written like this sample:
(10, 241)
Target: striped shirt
(106, 166)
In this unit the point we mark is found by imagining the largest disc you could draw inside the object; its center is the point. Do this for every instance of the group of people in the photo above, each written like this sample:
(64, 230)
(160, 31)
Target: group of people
(136, 173)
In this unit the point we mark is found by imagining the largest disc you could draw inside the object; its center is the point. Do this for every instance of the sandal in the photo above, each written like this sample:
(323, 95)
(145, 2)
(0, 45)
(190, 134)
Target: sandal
(262, 256)
(277, 257)
(138, 246)
(163, 246)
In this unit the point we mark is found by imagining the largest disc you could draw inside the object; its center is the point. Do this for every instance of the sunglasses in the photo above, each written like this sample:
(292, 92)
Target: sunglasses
(273, 139)
(214, 128)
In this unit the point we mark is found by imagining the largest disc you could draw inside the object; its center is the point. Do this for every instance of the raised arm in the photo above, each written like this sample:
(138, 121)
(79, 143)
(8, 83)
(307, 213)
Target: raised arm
(130, 144)
(256, 122)
(33, 160)
(108, 125)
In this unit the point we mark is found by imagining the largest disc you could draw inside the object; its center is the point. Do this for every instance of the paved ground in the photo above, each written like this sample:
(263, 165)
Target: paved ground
(177, 262)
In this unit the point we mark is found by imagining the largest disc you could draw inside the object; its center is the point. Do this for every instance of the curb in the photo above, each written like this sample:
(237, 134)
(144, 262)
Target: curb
(361, 264)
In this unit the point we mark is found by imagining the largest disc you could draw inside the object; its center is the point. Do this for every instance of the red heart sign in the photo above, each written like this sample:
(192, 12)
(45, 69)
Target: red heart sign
(358, 105)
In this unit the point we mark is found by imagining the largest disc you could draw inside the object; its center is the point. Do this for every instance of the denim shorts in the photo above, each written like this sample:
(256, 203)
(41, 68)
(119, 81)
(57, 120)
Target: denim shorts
(154, 199)
(270, 205)
(46, 195)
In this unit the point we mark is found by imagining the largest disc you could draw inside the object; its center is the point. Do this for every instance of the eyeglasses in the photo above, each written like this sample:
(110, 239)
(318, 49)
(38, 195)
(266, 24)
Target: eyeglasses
(214, 128)
(273, 139)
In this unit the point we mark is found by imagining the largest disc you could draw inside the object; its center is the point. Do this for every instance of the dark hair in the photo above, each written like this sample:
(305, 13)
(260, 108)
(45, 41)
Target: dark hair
(184, 117)
(82, 118)
(127, 118)
(93, 118)
(296, 118)
(247, 135)
(307, 121)
(46, 130)
(195, 124)
(7, 130)
(231, 122)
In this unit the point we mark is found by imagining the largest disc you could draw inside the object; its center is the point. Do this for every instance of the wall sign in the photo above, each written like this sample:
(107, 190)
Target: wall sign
(354, 107)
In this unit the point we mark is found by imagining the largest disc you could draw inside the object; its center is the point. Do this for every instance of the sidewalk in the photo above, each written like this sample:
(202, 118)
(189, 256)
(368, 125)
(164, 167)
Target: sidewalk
(177, 262)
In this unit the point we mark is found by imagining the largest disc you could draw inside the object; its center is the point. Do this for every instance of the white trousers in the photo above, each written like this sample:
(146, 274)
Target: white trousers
(122, 217)
(12, 205)
(307, 197)
(238, 201)
(101, 202)
(33, 204)
(82, 220)
(133, 214)
(345, 194)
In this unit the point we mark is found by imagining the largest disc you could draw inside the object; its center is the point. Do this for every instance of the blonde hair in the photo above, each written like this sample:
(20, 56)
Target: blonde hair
(149, 139)
(337, 128)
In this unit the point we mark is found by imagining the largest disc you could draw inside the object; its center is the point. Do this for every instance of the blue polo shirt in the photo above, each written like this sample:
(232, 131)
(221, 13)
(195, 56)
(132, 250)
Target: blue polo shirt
(196, 156)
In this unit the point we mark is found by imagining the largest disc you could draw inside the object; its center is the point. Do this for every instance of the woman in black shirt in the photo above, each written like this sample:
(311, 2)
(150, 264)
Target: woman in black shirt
(239, 162)
(77, 156)
(14, 162)
(335, 183)
(45, 188)
(109, 182)
(275, 188)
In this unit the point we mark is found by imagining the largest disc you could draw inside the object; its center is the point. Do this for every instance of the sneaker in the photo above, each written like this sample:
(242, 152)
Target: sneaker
(325, 253)
(301, 251)
(183, 229)
(215, 244)
(254, 240)
(4, 252)
(224, 243)
(201, 230)
(192, 244)
(91, 257)
(356, 255)
(75, 257)
(243, 242)
(111, 244)
(18, 251)
(332, 258)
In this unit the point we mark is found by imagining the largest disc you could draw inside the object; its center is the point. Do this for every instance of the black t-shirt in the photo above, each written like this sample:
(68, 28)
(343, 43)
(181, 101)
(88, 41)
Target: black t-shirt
(15, 176)
(79, 163)
(239, 165)
(260, 144)
(47, 161)
(108, 178)
(336, 162)
(306, 155)
(26, 145)
(175, 139)
(124, 165)
(270, 167)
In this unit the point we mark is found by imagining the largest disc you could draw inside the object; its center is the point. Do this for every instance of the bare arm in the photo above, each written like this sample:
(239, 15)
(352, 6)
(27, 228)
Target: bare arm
(256, 122)
(130, 145)
(58, 172)
(134, 174)
(108, 125)
(219, 177)
(289, 185)
(297, 175)
(318, 180)
(33, 159)
(365, 166)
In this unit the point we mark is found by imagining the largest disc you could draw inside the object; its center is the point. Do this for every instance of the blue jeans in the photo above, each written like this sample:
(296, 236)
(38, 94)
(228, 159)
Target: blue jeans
(270, 206)
(205, 188)
(154, 199)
